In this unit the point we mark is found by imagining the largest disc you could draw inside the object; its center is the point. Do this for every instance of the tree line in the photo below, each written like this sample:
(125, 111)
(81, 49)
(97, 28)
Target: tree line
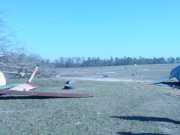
(16, 59)
(112, 61)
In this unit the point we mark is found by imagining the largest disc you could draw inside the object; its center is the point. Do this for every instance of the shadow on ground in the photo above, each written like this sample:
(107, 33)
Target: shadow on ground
(148, 119)
(130, 133)
(144, 119)
(175, 85)
(24, 97)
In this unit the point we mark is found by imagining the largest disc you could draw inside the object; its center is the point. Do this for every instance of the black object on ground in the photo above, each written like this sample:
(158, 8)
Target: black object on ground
(68, 85)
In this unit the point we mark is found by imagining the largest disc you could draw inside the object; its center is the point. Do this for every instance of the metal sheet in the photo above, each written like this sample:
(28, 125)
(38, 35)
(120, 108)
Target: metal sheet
(175, 73)
(45, 94)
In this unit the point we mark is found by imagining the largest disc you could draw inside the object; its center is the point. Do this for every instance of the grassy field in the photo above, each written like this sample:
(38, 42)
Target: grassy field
(117, 108)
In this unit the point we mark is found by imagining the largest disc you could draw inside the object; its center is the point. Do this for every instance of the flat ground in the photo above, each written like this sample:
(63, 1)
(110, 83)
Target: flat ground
(124, 103)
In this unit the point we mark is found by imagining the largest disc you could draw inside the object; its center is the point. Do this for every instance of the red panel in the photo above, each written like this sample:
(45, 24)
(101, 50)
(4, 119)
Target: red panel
(45, 94)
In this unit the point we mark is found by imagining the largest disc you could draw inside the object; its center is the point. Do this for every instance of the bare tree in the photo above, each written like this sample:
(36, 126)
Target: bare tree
(5, 41)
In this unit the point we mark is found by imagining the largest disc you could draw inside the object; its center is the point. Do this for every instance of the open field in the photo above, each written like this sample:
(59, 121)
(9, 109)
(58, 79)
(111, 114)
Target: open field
(143, 72)
(124, 103)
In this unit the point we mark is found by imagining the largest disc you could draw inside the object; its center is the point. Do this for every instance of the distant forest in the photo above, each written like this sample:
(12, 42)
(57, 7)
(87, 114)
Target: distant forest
(17, 59)
(113, 61)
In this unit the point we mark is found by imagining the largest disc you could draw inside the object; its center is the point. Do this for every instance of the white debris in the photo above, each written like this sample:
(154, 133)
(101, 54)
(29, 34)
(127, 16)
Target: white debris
(2, 79)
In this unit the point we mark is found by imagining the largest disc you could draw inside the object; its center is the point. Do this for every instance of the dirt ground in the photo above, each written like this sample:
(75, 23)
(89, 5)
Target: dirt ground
(126, 104)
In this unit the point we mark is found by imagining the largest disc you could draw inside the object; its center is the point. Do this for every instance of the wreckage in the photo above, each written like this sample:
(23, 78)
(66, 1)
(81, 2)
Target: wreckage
(175, 73)
(26, 89)
(173, 80)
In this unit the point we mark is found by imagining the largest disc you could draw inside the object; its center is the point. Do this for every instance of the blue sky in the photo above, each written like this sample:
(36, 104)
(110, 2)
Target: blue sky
(104, 28)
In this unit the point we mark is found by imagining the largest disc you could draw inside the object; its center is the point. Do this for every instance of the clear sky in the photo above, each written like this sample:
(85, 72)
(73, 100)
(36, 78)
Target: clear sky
(104, 28)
